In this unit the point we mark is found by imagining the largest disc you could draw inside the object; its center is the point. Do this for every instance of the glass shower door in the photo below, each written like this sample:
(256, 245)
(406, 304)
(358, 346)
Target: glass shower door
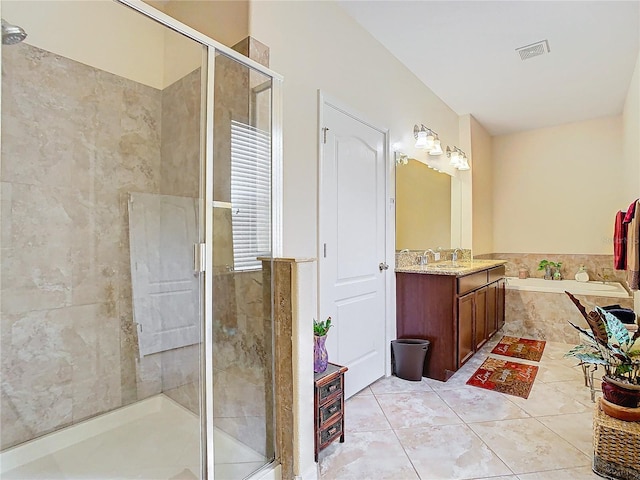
(243, 411)
(101, 309)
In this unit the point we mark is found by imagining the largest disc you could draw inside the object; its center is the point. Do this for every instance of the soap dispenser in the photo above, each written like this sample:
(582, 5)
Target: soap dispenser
(582, 275)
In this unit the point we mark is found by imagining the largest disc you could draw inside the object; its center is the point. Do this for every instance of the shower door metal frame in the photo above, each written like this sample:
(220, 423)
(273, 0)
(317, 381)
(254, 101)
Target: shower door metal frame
(213, 48)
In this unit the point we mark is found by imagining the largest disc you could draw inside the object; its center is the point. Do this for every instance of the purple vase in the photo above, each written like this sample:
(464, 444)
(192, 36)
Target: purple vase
(320, 357)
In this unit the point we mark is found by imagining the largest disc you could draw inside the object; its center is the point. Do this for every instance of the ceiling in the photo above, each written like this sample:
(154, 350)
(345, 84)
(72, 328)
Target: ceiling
(465, 52)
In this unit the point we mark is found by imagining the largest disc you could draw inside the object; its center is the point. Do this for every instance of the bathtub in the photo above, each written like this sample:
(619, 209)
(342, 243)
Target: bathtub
(609, 289)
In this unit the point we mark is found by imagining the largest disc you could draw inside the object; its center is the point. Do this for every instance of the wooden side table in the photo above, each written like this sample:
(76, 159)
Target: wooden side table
(329, 406)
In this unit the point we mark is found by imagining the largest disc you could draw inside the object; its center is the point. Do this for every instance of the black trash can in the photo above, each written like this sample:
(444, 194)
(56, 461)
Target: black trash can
(408, 357)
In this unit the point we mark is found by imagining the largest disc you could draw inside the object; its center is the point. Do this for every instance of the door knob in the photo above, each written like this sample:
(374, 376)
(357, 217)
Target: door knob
(383, 266)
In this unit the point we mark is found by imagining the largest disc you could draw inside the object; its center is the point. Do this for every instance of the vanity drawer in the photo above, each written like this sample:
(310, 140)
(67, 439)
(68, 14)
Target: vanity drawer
(472, 282)
(496, 273)
(331, 432)
(334, 386)
(330, 409)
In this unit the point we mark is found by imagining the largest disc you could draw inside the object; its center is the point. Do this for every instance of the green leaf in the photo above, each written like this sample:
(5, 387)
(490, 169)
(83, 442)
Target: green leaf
(615, 328)
(591, 358)
(542, 264)
(581, 348)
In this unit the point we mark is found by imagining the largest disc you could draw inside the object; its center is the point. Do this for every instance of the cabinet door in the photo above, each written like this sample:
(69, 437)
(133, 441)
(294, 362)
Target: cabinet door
(492, 308)
(480, 318)
(466, 306)
(500, 303)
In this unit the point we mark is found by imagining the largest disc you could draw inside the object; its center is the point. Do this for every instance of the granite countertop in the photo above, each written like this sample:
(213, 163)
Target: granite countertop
(459, 268)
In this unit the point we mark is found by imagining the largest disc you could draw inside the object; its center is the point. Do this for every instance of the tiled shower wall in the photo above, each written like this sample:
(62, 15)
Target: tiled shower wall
(75, 142)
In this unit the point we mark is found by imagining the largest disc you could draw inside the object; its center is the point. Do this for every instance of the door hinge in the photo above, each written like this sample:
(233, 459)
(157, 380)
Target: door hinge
(199, 257)
(324, 134)
(325, 250)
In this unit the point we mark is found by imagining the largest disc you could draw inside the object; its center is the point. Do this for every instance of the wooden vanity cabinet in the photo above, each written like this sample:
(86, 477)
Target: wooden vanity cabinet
(492, 308)
(466, 340)
(456, 314)
(502, 287)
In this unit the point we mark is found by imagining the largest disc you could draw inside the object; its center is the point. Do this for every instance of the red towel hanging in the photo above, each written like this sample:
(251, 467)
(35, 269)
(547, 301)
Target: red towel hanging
(620, 242)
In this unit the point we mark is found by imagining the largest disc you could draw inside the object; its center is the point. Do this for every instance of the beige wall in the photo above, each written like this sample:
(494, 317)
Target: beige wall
(346, 63)
(461, 200)
(100, 34)
(225, 21)
(557, 189)
(482, 204)
(423, 205)
(631, 125)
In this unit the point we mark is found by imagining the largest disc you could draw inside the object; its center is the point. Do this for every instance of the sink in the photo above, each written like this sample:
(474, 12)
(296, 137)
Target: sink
(448, 265)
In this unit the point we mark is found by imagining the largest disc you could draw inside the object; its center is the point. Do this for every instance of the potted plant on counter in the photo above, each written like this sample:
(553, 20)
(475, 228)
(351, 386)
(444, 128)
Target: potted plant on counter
(551, 269)
(609, 343)
(320, 356)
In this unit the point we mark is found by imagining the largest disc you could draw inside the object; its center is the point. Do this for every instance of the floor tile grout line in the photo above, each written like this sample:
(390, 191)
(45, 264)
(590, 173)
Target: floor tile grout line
(549, 364)
(397, 438)
(558, 435)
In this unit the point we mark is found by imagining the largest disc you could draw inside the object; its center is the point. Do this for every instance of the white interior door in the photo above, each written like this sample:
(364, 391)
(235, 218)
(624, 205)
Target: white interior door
(166, 290)
(352, 246)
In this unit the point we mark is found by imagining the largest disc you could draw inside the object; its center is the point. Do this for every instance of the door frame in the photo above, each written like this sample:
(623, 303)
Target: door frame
(326, 100)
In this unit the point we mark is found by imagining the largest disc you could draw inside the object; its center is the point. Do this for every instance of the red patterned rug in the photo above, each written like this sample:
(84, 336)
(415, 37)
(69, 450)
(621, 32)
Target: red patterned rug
(504, 376)
(517, 347)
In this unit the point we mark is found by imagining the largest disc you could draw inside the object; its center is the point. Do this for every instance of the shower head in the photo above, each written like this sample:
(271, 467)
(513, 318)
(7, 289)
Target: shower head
(12, 34)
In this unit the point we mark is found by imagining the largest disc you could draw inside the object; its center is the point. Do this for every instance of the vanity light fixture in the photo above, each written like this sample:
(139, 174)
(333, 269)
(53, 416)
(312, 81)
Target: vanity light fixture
(420, 134)
(401, 158)
(457, 158)
(437, 148)
(427, 139)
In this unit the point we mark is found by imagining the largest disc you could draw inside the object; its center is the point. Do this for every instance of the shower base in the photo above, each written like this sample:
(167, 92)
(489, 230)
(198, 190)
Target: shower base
(154, 439)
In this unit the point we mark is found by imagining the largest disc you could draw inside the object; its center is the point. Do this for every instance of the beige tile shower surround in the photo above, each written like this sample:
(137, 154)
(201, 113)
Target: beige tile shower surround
(76, 140)
(403, 430)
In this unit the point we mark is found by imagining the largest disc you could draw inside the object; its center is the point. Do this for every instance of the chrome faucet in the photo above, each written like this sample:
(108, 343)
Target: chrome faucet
(424, 258)
(454, 255)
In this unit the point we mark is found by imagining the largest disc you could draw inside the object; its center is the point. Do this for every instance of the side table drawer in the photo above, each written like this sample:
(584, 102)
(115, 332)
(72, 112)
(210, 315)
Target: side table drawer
(331, 432)
(330, 409)
(334, 386)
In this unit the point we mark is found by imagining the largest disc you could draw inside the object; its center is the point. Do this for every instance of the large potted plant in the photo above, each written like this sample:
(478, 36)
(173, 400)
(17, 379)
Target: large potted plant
(320, 356)
(608, 343)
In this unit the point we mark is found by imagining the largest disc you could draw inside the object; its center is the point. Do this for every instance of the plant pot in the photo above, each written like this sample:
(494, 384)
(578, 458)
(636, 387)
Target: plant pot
(320, 356)
(620, 393)
(621, 413)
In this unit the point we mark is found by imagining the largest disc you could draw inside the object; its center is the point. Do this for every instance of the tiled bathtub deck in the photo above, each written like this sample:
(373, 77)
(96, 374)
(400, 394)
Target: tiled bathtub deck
(400, 430)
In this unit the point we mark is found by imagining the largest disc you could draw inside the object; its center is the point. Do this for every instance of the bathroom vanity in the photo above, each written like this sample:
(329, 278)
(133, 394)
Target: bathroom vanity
(456, 306)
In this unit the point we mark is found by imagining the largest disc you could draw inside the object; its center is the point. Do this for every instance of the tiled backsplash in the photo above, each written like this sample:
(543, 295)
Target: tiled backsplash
(571, 263)
(406, 258)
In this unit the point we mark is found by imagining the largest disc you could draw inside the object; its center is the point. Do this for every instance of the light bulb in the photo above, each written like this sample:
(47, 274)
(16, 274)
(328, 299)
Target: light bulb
(436, 149)
(421, 142)
(453, 159)
(430, 141)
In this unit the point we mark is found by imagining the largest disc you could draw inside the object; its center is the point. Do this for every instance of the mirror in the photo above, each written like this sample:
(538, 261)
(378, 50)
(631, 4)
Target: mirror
(423, 207)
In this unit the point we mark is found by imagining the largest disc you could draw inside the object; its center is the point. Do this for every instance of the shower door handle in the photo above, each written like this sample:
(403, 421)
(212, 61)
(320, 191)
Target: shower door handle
(199, 257)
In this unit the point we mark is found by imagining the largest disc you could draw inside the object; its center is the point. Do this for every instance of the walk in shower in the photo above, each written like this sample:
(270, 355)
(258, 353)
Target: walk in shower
(137, 199)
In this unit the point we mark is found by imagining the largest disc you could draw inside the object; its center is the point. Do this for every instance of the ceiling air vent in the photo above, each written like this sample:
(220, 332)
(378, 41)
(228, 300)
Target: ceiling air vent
(533, 50)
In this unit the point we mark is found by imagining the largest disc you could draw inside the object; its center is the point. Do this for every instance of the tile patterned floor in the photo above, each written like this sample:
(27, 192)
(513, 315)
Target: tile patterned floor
(449, 430)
